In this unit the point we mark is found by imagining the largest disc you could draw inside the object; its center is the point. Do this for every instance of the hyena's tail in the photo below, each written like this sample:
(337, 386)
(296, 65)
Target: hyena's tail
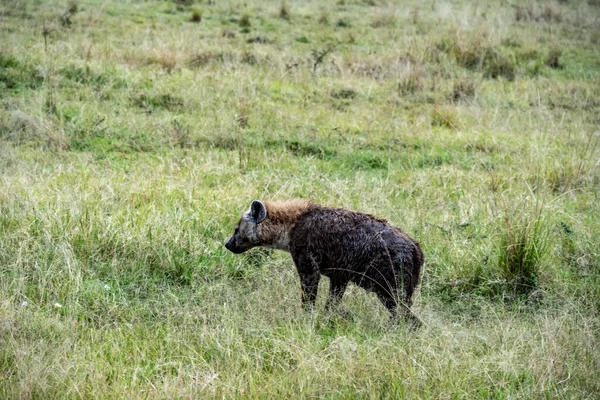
(412, 273)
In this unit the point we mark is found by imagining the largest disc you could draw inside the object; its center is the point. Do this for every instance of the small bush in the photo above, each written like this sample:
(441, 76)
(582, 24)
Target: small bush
(196, 15)
(17, 75)
(576, 171)
(244, 21)
(324, 17)
(343, 24)
(259, 40)
(165, 101)
(410, 83)
(463, 90)
(65, 19)
(347, 94)
(476, 55)
(383, 19)
(180, 135)
(248, 58)
(228, 34)
(365, 160)
(243, 114)
(525, 14)
(73, 7)
(284, 11)
(303, 148)
(551, 13)
(496, 65)
(206, 58)
(444, 118)
(319, 56)
(166, 60)
(553, 59)
(21, 128)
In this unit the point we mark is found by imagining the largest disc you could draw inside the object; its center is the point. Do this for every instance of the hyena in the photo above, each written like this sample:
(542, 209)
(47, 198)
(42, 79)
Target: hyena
(345, 246)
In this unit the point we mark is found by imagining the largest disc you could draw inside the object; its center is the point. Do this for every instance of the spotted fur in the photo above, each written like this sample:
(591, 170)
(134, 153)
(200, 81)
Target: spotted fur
(346, 246)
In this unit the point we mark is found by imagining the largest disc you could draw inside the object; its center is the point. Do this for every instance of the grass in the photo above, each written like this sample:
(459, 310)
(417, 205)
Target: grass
(133, 134)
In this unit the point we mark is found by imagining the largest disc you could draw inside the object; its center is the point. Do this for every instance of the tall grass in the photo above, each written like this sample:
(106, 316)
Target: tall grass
(523, 243)
(132, 135)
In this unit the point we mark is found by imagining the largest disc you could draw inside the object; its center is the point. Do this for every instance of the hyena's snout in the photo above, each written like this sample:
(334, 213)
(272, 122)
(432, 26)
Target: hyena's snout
(231, 246)
(236, 244)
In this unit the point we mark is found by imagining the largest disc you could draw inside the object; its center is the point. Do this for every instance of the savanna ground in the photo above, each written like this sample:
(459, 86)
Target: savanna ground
(134, 133)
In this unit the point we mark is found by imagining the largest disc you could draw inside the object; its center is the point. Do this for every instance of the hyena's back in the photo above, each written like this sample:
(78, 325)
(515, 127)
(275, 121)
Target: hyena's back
(350, 246)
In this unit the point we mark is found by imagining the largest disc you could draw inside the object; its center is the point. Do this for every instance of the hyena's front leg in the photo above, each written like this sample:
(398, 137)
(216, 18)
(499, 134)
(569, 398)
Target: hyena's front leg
(308, 270)
(310, 285)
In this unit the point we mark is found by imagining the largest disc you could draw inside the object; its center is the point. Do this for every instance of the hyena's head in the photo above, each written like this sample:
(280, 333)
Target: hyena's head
(249, 231)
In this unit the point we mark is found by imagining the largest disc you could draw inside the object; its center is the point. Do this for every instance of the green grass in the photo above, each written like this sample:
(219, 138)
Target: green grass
(133, 134)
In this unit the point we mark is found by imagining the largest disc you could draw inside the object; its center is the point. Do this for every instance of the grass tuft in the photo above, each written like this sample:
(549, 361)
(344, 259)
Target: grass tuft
(476, 55)
(521, 249)
(523, 243)
(444, 118)
(411, 82)
(463, 90)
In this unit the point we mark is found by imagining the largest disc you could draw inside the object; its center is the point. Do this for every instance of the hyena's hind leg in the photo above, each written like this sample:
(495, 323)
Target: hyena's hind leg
(408, 316)
(397, 303)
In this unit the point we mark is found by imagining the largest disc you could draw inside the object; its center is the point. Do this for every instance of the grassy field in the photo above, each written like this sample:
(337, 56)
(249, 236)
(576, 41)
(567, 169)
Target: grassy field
(134, 133)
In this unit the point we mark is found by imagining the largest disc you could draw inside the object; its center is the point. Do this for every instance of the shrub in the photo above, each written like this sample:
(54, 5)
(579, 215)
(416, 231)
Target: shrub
(463, 90)
(324, 17)
(244, 21)
(444, 118)
(553, 60)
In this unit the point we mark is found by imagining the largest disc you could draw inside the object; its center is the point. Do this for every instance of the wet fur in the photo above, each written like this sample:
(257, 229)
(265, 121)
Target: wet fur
(346, 246)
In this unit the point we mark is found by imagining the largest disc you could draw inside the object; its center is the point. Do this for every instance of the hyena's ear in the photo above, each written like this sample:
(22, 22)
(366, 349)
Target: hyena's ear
(258, 212)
